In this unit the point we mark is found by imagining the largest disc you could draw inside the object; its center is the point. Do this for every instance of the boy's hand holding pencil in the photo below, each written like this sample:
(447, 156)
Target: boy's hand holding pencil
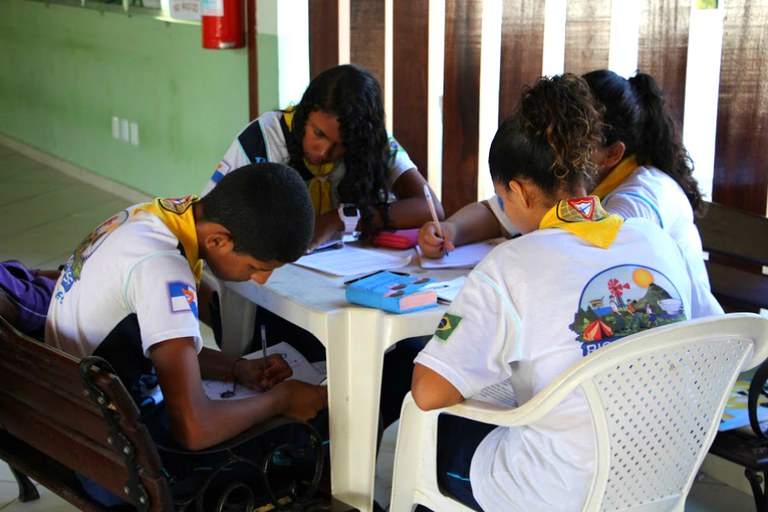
(252, 373)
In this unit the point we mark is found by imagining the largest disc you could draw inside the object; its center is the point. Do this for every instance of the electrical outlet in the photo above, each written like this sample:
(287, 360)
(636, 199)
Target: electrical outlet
(115, 127)
(134, 133)
(124, 133)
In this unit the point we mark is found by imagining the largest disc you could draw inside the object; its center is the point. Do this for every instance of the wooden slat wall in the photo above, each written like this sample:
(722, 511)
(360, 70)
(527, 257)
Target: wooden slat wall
(522, 49)
(587, 35)
(410, 62)
(741, 171)
(741, 167)
(323, 35)
(463, 27)
(367, 36)
(253, 60)
(663, 48)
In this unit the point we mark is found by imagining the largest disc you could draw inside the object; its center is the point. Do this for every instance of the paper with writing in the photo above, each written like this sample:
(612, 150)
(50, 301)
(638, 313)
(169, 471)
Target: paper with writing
(465, 256)
(447, 290)
(350, 261)
(302, 370)
(500, 394)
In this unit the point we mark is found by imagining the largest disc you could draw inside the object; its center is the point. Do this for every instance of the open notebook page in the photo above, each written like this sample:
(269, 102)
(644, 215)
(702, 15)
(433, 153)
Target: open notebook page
(350, 261)
(465, 256)
(302, 370)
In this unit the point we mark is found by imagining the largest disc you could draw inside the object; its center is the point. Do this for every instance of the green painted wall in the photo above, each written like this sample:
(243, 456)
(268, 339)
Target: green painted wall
(65, 71)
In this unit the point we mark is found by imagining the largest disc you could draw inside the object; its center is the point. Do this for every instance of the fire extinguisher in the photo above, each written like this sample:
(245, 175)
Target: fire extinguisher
(222, 22)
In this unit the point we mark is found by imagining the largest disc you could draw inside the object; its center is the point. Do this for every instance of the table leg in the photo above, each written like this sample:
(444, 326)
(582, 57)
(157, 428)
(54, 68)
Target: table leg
(357, 341)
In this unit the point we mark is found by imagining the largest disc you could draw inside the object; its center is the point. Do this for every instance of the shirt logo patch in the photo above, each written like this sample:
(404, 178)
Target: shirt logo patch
(183, 298)
(447, 325)
(623, 300)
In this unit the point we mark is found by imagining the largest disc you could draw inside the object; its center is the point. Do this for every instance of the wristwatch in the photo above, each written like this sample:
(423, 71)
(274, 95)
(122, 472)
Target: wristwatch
(350, 216)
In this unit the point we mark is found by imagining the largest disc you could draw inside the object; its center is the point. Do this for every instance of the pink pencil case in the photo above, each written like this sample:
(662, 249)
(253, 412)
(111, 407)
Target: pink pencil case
(399, 239)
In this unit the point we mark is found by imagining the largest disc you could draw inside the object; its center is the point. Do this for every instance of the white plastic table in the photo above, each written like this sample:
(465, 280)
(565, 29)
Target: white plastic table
(355, 340)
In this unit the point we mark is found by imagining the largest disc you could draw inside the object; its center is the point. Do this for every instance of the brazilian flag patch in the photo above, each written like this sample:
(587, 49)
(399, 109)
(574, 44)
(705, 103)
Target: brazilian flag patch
(447, 325)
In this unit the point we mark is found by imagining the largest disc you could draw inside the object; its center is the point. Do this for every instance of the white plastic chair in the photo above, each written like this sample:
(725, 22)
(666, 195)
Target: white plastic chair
(667, 386)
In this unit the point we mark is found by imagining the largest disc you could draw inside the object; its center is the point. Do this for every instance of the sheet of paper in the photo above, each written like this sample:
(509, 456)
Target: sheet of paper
(500, 394)
(465, 256)
(447, 290)
(302, 370)
(350, 261)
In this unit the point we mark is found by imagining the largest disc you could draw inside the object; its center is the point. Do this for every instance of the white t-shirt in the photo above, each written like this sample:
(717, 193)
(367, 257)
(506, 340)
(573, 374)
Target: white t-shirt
(126, 288)
(651, 194)
(535, 306)
(266, 141)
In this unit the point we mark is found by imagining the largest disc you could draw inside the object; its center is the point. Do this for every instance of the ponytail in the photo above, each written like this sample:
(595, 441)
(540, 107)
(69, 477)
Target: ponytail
(660, 141)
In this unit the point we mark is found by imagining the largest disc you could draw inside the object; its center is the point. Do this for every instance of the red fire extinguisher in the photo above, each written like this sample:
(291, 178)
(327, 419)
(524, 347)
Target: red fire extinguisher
(222, 22)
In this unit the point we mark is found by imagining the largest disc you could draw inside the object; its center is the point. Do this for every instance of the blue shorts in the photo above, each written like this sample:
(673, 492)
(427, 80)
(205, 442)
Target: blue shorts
(457, 441)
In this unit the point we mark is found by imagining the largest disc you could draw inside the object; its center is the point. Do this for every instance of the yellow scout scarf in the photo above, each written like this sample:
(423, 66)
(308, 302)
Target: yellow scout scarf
(616, 177)
(320, 185)
(585, 218)
(177, 215)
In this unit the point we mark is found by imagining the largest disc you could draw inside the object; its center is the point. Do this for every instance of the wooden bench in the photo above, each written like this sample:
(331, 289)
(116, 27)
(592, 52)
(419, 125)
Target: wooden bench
(52, 427)
(60, 416)
(737, 243)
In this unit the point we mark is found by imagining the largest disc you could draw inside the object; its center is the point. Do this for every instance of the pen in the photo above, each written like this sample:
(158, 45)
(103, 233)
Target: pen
(431, 205)
(335, 245)
(264, 344)
(373, 274)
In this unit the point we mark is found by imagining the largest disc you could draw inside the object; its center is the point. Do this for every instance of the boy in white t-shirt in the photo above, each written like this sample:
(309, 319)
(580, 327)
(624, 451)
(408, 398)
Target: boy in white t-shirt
(538, 304)
(129, 295)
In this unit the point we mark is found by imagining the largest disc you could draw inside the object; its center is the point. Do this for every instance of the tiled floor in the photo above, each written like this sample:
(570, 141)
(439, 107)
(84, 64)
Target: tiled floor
(45, 213)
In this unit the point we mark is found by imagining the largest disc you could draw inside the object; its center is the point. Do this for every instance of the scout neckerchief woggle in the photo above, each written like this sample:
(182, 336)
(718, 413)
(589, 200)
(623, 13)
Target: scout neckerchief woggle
(585, 218)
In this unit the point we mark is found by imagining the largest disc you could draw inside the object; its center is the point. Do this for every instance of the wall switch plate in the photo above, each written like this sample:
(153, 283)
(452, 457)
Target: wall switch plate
(124, 134)
(115, 127)
(134, 133)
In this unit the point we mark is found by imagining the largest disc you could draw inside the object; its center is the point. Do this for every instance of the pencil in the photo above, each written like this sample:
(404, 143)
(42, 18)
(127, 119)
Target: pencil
(264, 344)
(431, 204)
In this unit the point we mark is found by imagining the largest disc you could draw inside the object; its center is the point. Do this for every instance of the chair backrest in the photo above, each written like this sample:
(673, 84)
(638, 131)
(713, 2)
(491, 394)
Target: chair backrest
(737, 243)
(45, 403)
(656, 400)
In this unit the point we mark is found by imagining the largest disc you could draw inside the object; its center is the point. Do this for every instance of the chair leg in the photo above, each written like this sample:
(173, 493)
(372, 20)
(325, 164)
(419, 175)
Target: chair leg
(755, 481)
(27, 490)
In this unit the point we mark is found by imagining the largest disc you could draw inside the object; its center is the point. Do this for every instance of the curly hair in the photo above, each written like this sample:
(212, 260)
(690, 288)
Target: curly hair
(549, 139)
(637, 114)
(352, 95)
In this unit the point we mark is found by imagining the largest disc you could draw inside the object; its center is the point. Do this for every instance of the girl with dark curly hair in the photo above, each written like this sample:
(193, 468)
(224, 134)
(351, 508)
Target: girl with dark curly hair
(337, 140)
(644, 171)
(533, 308)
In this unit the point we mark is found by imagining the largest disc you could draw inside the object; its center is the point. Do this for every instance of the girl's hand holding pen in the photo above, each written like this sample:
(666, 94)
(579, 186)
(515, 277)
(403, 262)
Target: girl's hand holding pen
(326, 225)
(252, 374)
(436, 223)
(431, 243)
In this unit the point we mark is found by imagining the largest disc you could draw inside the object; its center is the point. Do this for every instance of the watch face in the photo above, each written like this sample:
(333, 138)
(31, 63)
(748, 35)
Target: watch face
(350, 210)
